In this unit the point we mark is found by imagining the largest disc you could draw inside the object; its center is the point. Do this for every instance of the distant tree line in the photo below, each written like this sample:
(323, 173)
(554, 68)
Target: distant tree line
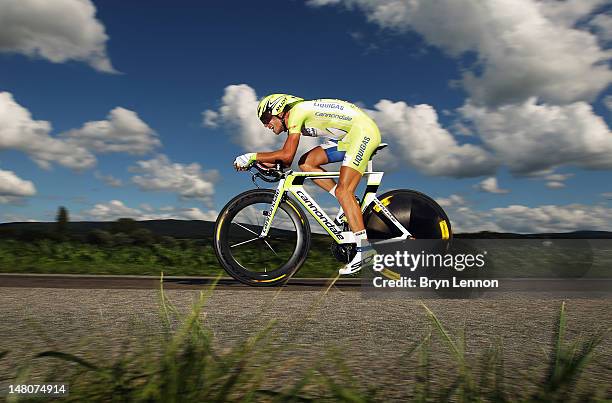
(122, 232)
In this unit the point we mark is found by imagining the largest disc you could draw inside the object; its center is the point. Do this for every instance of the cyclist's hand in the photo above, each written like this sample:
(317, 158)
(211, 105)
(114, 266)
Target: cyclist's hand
(244, 161)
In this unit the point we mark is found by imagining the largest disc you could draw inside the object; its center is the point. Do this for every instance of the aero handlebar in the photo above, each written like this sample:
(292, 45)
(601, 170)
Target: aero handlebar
(266, 174)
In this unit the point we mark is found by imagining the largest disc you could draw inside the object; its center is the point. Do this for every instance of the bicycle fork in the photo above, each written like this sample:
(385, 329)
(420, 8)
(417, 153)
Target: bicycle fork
(280, 189)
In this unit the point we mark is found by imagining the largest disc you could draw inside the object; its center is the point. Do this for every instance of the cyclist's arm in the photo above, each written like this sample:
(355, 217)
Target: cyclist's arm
(285, 154)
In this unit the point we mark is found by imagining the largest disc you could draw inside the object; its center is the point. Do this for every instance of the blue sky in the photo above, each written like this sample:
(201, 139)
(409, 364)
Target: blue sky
(113, 109)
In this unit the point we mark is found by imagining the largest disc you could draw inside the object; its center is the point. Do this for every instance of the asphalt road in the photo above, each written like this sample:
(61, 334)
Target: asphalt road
(601, 287)
(371, 332)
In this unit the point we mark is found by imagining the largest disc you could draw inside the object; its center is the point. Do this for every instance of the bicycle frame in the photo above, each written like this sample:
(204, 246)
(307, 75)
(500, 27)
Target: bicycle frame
(293, 183)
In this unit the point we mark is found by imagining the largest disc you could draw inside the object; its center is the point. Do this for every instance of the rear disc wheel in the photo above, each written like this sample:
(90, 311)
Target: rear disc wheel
(417, 212)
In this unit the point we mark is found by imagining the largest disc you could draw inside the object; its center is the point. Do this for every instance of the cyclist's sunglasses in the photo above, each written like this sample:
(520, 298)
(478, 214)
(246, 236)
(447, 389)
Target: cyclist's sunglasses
(266, 118)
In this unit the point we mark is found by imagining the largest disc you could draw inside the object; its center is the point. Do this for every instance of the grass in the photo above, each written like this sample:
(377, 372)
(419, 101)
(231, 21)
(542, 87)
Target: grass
(47, 256)
(186, 364)
(187, 259)
(506, 258)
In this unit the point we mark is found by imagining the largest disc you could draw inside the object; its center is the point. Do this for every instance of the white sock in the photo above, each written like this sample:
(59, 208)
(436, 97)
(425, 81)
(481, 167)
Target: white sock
(332, 191)
(361, 237)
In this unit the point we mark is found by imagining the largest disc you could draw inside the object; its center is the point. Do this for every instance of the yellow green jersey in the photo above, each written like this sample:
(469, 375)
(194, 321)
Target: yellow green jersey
(331, 118)
(343, 122)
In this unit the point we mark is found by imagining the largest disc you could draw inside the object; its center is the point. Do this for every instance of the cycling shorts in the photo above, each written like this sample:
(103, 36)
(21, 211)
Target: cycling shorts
(355, 149)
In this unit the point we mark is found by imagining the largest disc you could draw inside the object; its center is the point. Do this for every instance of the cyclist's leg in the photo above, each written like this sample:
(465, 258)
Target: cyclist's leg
(321, 155)
(359, 143)
(345, 193)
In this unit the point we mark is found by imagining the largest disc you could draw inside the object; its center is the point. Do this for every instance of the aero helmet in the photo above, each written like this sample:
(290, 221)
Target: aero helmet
(275, 103)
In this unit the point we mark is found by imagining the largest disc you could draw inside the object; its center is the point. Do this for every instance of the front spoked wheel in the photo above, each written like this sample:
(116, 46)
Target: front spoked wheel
(257, 261)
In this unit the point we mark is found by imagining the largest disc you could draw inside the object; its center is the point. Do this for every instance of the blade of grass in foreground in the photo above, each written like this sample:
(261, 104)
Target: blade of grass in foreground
(445, 336)
(567, 363)
(67, 357)
(465, 385)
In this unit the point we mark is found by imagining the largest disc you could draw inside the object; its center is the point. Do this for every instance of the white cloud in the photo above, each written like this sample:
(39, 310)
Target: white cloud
(608, 102)
(568, 12)
(111, 211)
(238, 117)
(210, 118)
(523, 219)
(13, 189)
(532, 137)
(555, 185)
(17, 218)
(607, 195)
(452, 200)
(603, 27)
(426, 145)
(188, 181)
(556, 181)
(464, 219)
(523, 49)
(558, 177)
(146, 207)
(552, 218)
(195, 213)
(20, 132)
(489, 185)
(123, 131)
(116, 209)
(317, 3)
(58, 30)
(110, 180)
(462, 129)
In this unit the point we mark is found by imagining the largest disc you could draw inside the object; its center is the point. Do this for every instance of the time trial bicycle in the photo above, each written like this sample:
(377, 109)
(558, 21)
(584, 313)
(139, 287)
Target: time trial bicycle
(262, 236)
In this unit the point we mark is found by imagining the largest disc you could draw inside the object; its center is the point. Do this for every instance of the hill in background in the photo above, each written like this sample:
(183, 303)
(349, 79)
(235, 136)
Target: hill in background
(184, 229)
(197, 229)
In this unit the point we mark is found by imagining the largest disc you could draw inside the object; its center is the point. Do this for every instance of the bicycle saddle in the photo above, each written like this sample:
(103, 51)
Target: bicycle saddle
(380, 147)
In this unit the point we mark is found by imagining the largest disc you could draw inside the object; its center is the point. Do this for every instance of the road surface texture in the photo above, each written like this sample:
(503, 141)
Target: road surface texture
(370, 333)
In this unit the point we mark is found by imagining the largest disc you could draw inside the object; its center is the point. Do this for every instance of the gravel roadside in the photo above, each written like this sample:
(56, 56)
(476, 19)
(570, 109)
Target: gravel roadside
(370, 333)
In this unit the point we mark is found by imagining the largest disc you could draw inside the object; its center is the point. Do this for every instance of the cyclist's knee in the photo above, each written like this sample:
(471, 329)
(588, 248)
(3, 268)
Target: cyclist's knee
(306, 164)
(305, 167)
(308, 167)
(342, 192)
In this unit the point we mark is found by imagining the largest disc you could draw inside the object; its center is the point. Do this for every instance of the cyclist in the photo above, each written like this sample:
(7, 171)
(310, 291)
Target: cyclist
(352, 138)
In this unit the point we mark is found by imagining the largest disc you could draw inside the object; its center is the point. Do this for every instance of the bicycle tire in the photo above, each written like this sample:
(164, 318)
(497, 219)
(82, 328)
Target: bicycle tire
(281, 271)
(417, 212)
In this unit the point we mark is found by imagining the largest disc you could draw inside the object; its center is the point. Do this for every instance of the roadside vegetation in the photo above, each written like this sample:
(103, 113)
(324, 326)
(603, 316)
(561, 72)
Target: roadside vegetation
(126, 249)
(185, 363)
(123, 254)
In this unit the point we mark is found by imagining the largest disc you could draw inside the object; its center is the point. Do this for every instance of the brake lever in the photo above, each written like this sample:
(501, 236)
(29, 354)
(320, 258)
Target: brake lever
(261, 174)
(268, 174)
(254, 179)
